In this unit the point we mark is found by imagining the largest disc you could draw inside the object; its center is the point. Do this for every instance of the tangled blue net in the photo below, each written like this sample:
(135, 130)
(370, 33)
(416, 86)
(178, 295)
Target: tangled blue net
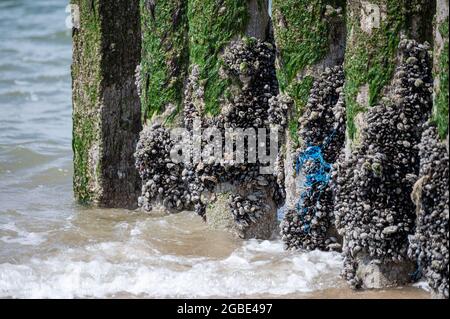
(317, 173)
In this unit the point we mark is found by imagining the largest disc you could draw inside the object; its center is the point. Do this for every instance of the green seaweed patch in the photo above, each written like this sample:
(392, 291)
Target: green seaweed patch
(293, 131)
(301, 33)
(165, 56)
(211, 28)
(440, 114)
(371, 59)
(299, 91)
(82, 141)
(302, 38)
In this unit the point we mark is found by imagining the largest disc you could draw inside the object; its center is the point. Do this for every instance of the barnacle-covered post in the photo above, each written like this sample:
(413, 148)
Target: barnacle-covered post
(374, 29)
(388, 98)
(429, 245)
(310, 40)
(106, 109)
(160, 79)
(232, 76)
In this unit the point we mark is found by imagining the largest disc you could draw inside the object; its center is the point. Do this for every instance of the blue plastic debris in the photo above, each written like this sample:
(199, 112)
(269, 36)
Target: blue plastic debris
(317, 173)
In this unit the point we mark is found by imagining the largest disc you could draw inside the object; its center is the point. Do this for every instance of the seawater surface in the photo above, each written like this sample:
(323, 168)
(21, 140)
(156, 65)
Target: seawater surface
(52, 248)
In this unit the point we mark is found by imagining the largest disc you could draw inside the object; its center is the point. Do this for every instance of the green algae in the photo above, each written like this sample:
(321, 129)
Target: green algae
(371, 59)
(86, 97)
(301, 34)
(211, 28)
(164, 56)
(440, 112)
(302, 38)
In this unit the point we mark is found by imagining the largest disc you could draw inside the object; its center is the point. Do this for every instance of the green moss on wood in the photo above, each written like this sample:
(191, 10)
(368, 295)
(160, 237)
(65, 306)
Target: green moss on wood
(82, 142)
(370, 59)
(211, 27)
(440, 114)
(301, 34)
(293, 131)
(164, 55)
(302, 38)
(299, 92)
(86, 97)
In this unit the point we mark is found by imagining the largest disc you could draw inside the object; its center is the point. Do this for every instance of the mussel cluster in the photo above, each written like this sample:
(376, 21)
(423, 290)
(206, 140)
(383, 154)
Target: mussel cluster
(247, 209)
(372, 185)
(162, 180)
(193, 95)
(251, 64)
(429, 244)
(321, 134)
(323, 120)
(279, 107)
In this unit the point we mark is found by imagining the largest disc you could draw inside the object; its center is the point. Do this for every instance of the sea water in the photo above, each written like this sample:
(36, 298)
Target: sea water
(50, 247)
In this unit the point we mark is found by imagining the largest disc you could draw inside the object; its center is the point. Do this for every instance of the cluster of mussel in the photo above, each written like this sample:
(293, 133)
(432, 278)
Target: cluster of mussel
(162, 178)
(321, 133)
(429, 244)
(279, 107)
(247, 209)
(252, 62)
(372, 186)
(249, 64)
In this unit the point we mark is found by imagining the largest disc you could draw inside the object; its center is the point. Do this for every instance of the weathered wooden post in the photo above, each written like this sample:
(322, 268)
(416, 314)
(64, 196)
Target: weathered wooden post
(374, 31)
(387, 91)
(310, 40)
(440, 69)
(429, 244)
(106, 109)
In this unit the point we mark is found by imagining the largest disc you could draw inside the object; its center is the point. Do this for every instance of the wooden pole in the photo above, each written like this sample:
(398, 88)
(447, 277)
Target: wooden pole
(106, 108)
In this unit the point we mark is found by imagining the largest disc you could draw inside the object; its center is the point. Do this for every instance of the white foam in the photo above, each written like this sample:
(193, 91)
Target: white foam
(22, 237)
(135, 231)
(423, 284)
(108, 269)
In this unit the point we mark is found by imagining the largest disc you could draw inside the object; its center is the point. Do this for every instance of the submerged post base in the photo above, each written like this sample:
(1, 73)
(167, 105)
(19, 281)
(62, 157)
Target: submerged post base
(377, 274)
(219, 212)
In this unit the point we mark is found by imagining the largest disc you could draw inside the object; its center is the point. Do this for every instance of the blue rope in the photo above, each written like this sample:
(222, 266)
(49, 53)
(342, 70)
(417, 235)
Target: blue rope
(417, 274)
(317, 177)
